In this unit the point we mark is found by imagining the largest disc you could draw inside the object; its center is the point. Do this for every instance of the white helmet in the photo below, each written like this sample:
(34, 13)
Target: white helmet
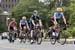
(23, 17)
(59, 9)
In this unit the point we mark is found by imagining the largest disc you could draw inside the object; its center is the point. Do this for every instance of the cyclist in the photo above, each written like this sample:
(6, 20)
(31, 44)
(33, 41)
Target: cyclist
(12, 25)
(58, 17)
(23, 25)
(35, 18)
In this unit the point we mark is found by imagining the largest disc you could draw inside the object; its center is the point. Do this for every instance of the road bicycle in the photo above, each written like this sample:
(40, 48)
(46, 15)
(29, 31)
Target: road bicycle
(58, 35)
(37, 34)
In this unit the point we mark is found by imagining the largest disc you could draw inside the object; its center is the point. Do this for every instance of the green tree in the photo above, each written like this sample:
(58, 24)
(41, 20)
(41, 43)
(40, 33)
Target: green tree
(72, 13)
(26, 7)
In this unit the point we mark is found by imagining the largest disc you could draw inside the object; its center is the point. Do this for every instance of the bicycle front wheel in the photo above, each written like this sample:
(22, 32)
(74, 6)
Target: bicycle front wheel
(62, 38)
(39, 38)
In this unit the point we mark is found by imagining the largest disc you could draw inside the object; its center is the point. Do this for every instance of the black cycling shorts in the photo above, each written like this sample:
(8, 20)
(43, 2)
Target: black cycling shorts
(11, 28)
(22, 26)
(31, 26)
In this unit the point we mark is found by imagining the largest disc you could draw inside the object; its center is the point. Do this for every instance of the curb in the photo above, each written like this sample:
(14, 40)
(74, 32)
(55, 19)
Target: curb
(68, 41)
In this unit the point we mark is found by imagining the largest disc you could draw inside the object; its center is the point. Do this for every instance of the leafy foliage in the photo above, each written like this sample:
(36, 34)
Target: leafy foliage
(26, 7)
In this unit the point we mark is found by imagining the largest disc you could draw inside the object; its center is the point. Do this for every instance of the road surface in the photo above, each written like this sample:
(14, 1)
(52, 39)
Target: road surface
(5, 45)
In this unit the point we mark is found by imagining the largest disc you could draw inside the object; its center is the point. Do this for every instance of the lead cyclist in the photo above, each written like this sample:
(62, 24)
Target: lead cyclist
(59, 18)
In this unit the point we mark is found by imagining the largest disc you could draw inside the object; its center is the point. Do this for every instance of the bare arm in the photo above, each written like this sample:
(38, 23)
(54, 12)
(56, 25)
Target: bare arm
(10, 23)
(33, 22)
(27, 26)
(64, 19)
(40, 22)
(55, 21)
(20, 25)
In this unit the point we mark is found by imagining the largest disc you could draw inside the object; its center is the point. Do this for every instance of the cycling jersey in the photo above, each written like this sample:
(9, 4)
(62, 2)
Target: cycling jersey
(35, 18)
(59, 18)
(58, 15)
(23, 22)
(12, 24)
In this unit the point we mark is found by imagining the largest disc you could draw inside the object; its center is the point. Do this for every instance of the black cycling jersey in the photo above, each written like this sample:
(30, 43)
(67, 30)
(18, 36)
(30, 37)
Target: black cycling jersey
(35, 18)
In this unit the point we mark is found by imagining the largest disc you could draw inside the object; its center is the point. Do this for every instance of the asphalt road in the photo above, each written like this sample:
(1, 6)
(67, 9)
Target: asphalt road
(5, 45)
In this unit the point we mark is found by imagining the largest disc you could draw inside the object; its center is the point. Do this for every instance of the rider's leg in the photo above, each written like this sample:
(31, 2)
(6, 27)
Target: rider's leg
(31, 32)
(31, 35)
(20, 34)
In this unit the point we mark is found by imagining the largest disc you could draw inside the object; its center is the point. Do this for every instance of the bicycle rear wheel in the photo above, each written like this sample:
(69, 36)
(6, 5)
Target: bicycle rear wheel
(53, 38)
(62, 38)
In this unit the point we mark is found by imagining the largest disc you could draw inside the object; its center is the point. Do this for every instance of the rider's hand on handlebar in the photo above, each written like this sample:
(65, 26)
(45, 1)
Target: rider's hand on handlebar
(65, 25)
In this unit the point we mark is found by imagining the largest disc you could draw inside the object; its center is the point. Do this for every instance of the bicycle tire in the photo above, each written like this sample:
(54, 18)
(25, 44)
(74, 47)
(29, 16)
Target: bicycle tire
(53, 39)
(10, 37)
(39, 38)
(62, 38)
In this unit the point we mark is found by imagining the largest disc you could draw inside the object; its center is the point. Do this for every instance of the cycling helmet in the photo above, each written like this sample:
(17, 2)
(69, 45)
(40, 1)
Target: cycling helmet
(59, 9)
(23, 17)
(35, 11)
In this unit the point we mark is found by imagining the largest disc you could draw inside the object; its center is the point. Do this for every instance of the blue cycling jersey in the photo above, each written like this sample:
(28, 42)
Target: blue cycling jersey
(58, 15)
(23, 22)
